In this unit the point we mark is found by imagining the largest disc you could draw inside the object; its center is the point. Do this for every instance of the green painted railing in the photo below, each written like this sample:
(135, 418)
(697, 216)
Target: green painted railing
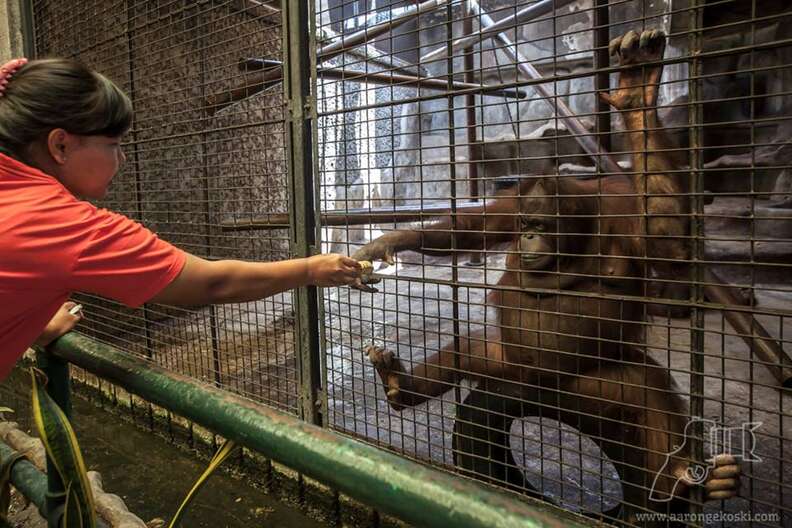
(415, 493)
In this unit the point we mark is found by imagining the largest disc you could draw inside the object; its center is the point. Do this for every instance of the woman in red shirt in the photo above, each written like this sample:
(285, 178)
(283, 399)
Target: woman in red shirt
(60, 130)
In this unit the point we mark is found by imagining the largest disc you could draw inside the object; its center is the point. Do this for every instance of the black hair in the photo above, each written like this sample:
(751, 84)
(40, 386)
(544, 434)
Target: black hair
(47, 94)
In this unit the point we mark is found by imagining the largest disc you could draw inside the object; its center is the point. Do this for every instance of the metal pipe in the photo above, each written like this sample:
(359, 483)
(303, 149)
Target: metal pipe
(26, 478)
(758, 339)
(697, 270)
(253, 84)
(250, 64)
(257, 81)
(390, 79)
(361, 216)
(31, 482)
(28, 29)
(59, 389)
(135, 163)
(525, 15)
(206, 191)
(254, 7)
(602, 79)
(386, 61)
(452, 174)
(470, 113)
(600, 156)
(413, 492)
(263, 74)
(366, 34)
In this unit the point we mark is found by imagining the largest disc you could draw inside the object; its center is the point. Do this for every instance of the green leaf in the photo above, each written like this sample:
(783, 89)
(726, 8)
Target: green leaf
(217, 459)
(6, 409)
(72, 512)
(61, 444)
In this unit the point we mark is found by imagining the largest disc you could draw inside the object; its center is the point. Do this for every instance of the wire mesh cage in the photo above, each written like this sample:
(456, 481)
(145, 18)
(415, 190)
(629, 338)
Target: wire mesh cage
(555, 319)
(194, 164)
(585, 204)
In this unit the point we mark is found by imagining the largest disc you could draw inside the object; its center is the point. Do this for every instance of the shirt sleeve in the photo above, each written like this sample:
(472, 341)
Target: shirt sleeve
(125, 261)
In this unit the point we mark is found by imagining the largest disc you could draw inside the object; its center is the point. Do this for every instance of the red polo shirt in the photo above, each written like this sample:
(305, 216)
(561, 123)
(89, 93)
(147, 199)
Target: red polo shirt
(52, 244)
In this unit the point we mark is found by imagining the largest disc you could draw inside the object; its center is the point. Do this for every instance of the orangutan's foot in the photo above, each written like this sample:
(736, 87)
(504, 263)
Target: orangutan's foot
(638, 86)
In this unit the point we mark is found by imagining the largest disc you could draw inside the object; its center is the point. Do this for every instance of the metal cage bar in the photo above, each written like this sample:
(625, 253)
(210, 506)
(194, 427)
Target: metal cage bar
(422, 117)
(407, 315)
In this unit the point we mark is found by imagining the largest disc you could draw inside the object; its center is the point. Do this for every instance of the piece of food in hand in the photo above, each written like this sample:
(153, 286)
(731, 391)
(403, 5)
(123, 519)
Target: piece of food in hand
(367, 268)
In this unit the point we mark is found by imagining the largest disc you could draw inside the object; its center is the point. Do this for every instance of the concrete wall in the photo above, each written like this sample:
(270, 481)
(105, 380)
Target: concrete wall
(11, 42)
(187, 170)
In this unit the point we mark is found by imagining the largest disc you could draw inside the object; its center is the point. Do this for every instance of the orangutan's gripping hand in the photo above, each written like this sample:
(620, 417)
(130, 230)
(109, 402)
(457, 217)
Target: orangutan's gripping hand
(382, 250)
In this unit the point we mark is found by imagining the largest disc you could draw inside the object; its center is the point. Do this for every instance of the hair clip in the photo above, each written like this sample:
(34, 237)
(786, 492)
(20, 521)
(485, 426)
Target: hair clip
(7, 71)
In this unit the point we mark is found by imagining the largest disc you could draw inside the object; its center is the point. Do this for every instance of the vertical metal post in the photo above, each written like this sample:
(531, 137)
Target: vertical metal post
(130, 35)
(136, 162)
(59, 382)
(453, 182)
(206, 195)
(695, 118)
(59, 389)
(470, 106)
(752, 237)
(601, 108)
(300, 109)
(320, 394)
(602, 78)
(28, 28)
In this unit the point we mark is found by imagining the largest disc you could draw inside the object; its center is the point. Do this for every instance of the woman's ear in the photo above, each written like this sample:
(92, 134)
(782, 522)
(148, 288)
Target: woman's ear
(59, 143)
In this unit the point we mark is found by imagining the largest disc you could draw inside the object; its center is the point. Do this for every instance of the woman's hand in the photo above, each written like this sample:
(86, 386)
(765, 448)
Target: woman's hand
(62, 322)
(333, 270)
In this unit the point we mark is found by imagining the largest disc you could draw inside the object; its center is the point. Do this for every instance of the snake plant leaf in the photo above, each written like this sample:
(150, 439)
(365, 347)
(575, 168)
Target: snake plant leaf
(72, 512)
(222, 453)
(60, 442)
(5, 483)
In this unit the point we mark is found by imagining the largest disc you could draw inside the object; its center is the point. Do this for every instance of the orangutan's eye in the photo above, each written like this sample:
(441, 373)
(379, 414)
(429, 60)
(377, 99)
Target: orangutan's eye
(532, 225)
